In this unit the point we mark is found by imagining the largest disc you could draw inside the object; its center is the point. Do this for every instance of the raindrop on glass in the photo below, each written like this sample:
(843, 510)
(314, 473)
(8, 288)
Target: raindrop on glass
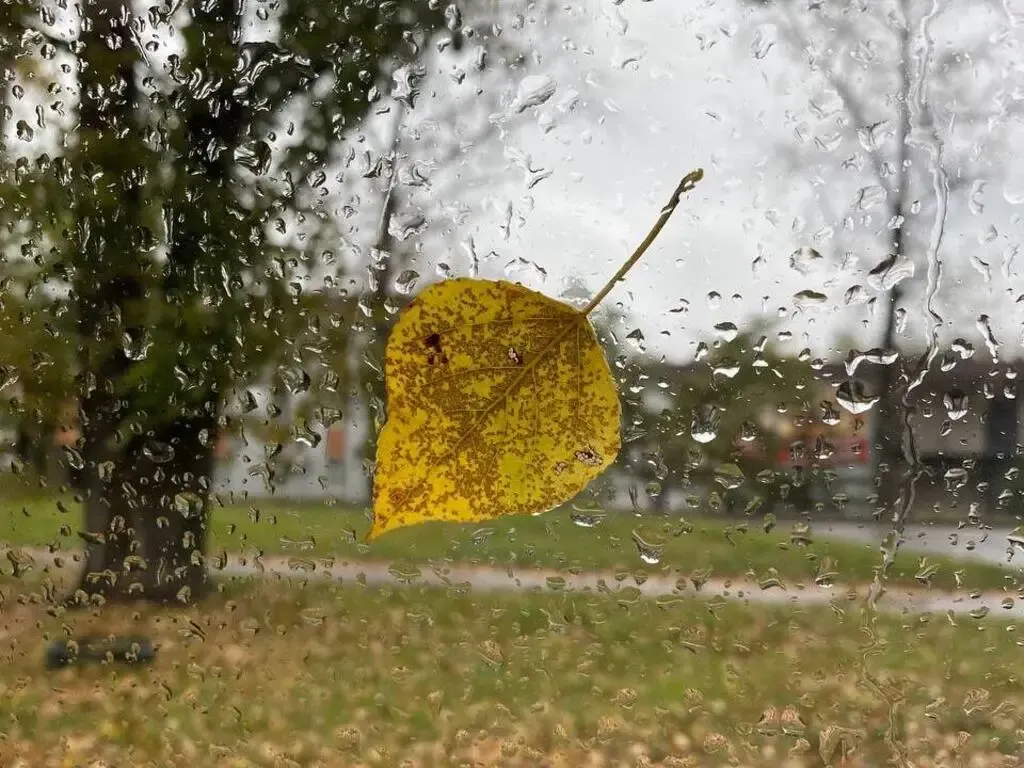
(533, 91)
(956, 404)
(963, 348)
(704, 426)
(405, 283)
(805, 260)
(727, 331)
(853, 396)
(649, 553)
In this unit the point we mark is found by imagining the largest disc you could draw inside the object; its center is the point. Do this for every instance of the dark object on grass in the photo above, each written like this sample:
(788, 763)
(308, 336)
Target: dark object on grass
(97, 648)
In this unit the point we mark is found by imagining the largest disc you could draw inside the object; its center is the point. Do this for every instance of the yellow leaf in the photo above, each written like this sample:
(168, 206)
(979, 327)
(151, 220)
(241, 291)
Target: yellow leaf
(500, 401)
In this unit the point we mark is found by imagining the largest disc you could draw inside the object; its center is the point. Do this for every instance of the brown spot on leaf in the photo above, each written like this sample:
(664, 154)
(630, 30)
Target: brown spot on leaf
(588, 456)
(514, 357)
(435, 352)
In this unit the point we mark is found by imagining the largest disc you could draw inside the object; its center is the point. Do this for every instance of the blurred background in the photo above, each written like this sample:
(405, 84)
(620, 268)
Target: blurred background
(212, 212)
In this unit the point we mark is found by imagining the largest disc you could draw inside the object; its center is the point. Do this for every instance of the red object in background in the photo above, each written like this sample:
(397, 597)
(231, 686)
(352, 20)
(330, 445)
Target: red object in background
(222, 448)
(335, 445)
(65, 436)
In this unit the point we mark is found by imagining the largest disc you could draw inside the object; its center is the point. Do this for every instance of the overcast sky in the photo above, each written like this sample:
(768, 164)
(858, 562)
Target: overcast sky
(646, 91)
(619, 101)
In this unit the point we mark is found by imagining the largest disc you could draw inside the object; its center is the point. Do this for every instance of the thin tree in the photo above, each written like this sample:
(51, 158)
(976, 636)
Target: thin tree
(911, 118)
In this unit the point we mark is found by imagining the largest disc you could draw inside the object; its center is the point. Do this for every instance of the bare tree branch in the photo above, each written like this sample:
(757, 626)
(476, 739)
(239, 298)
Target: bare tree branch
(851, 104)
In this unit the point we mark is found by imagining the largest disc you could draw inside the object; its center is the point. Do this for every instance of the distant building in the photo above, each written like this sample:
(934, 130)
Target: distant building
(967, 422)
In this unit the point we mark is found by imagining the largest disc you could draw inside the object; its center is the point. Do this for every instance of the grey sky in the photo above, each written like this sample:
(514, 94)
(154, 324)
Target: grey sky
(646, 91)
(693, 93)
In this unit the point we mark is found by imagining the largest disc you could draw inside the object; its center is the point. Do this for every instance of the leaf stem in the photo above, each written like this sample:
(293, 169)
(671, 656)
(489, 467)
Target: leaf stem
(688, 183)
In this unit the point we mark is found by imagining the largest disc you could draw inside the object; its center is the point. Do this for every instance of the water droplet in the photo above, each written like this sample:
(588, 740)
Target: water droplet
(408, 573)
(956, 404)
(876, 356)
(826, 574)
(800, 535)
(704, 426)
(809, 299)
(628, 53)
(714, 299)
(533, 91)
(856, 295)
(955, 477)
(962, 348)
(404, 225)
(823, 449)
(636, 338)
(406, 84)
(870, 197)
(158, 452)
(255, 156)
(557, 583)
(805, 260)
(304, 435)
(8, 376)
(829, 415)
(762, 43)
(985, 327)
(24, 131)
(727, 331)
(296, 380)
(1013, 192)
(188, 504)
(890, 272)
(650, 553)
(729, 476)
(405, 283)
(74, 458)
(726, 368)
(136, 345)
(1016, 542)
(587, 518)
(853, 396)
(520, 266)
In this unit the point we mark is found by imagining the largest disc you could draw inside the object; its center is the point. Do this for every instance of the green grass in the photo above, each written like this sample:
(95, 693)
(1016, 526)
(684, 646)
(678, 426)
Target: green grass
(552, 540)
(276, 674)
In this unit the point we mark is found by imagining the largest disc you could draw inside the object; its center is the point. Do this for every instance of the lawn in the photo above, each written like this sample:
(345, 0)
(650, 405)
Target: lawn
(666, 545)
(276, 674)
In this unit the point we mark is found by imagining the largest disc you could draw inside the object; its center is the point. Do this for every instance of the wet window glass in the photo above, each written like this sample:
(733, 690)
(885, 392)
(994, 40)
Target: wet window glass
(420, 383)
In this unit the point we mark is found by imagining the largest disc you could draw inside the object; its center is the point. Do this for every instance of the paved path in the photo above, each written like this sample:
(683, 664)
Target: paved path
(989, 544)
(489, 579)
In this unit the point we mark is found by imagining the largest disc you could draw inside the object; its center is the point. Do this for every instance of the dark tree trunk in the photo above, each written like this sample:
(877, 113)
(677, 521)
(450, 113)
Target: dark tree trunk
(145, 477)
(146, 514)
(889, 463)
(888, 432)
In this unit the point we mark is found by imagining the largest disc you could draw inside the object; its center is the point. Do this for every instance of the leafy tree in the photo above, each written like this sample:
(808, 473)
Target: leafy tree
(166, 235)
